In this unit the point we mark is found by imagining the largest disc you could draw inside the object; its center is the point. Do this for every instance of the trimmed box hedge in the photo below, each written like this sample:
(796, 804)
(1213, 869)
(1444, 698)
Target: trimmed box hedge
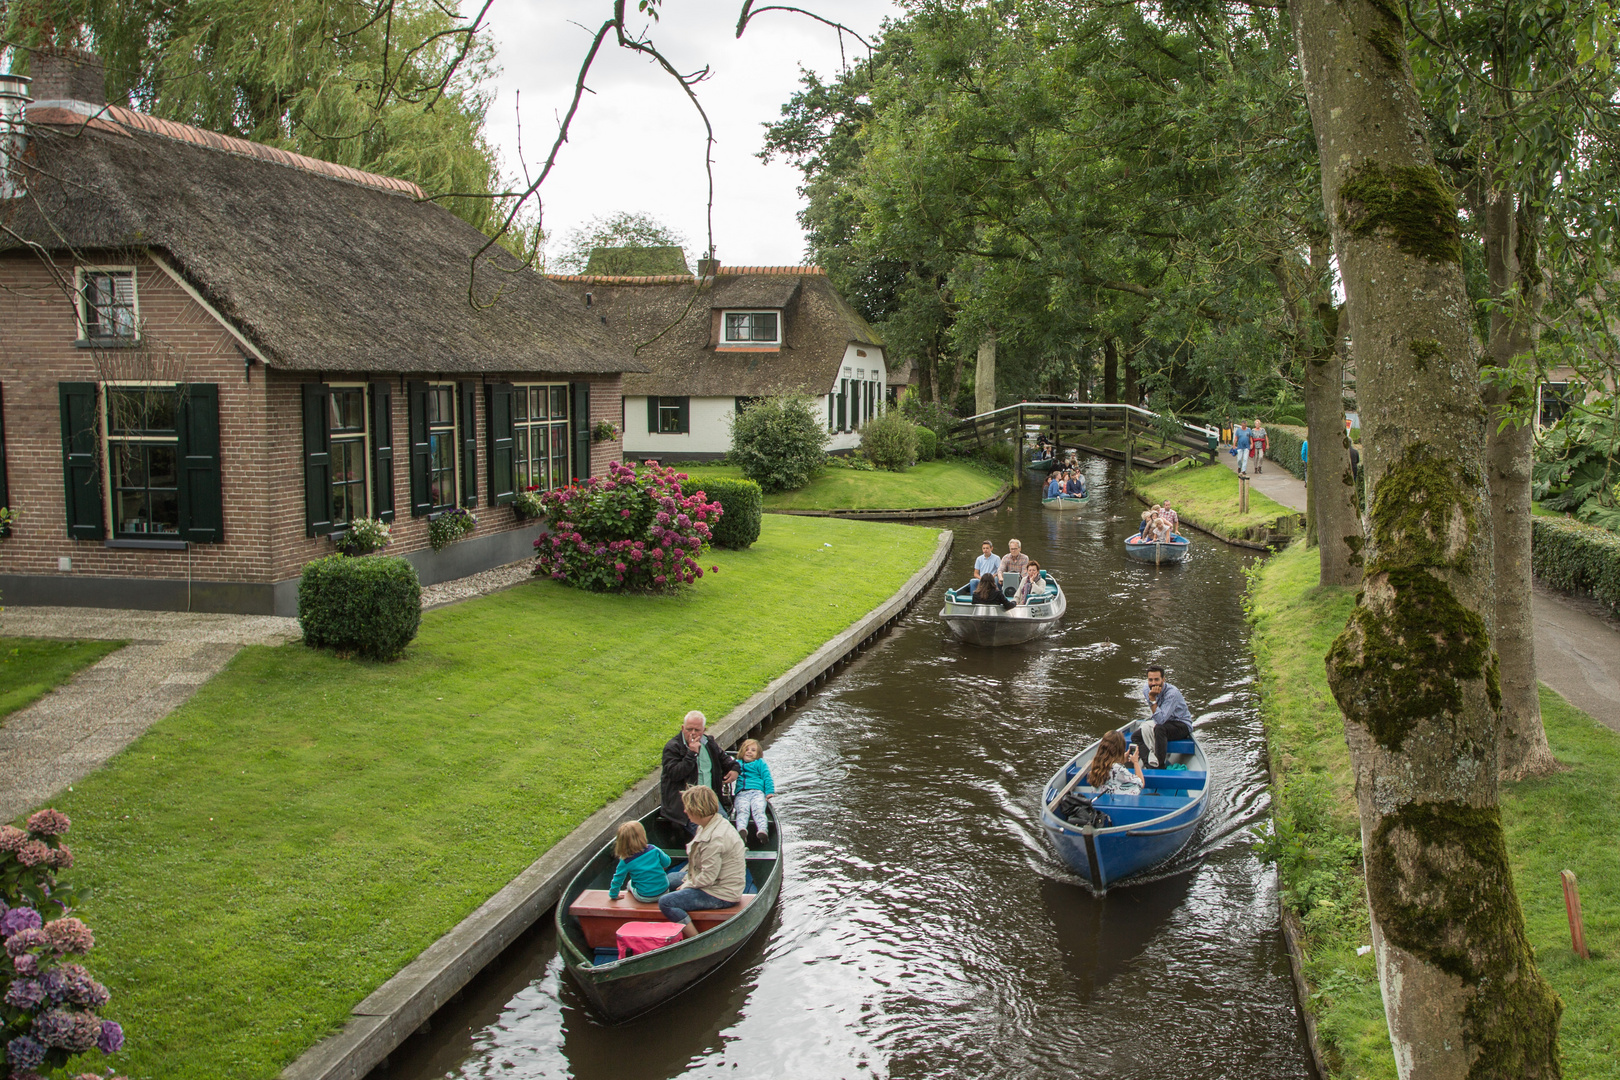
(370, 606)
(1577, 558)
(927, 444)
(1284, 450)
(741, 503)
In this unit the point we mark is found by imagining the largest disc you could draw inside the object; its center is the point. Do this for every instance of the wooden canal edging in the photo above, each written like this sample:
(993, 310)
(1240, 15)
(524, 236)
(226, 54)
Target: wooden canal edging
(909, 515)
(405, 1002)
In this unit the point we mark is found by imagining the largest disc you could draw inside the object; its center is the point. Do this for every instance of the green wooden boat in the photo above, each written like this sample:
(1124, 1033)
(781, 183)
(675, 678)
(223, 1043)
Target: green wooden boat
(622, 989)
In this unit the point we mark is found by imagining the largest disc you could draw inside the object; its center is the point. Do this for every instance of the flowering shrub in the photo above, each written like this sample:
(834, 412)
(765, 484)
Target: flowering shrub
(625, 531)
(46, 1012)
(450, 526)
(365, 535)
(606, 431)
(527, 502)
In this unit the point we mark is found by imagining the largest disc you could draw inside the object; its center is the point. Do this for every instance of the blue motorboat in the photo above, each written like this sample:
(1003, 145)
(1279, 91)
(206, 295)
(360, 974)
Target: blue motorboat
(1157, 552)
(1146, 829)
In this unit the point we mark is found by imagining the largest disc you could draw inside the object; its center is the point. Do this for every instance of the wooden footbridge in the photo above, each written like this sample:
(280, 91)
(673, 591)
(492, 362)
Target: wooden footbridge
(1121, 432)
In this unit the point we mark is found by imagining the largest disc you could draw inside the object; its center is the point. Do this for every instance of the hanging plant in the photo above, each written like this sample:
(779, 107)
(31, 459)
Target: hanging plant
(365, 535)
(605, 431)
(528, 503)
(450, 526)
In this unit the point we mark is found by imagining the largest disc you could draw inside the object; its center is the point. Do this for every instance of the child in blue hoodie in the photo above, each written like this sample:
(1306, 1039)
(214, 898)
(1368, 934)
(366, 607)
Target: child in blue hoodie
(647, 867)
(754, 789)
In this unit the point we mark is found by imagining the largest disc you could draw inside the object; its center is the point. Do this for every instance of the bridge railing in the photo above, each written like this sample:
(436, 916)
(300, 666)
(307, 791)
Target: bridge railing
(1073, 423)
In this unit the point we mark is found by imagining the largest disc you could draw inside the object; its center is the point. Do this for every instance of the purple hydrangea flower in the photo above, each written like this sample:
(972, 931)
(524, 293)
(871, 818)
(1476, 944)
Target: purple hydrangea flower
(55, 984)
(49, 823)
(112, 1037)
(26, 964)
(81, 989)
(24, 993)
(25, 940)
(33, 852)
(61, 858)
(86, 1032)
(69, 935)
(24, 1053)
(12, 838)
(54, 1027)
(19, 918)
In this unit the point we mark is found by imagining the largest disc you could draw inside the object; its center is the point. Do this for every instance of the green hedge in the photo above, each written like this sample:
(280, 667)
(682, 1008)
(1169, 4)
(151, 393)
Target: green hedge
(927, 444)
(1578, 558)
(370, 606)
(1284, 450)
(741, 503)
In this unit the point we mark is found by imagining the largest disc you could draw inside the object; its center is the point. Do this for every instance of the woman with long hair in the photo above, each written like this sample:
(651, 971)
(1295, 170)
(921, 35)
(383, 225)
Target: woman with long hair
(1111, 768)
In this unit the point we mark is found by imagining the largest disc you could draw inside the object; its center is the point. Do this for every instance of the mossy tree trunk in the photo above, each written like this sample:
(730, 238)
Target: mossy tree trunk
(1414, 671)
(1334, 516)
(1110, 371)
(1515, 284)
(984, 375)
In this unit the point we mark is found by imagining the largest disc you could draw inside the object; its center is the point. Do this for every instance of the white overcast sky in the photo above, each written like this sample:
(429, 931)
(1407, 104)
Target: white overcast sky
(637, 143)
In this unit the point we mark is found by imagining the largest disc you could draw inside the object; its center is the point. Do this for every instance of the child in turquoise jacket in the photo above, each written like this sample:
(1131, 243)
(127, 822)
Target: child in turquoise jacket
(645, 866)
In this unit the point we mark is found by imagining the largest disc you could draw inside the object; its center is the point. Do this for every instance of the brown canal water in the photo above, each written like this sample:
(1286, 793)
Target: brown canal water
(925, 928)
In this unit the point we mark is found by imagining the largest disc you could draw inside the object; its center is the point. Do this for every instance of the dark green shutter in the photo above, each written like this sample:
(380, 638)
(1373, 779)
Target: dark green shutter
(684, 422)
(382, 450)
(421, 458)
(317, 460)
(81, 472)
(579, 395)
(832, 409)
(498, 430)
(843, 404)
(467, 395)
(5, 496)
(202, 507)
(652, 415)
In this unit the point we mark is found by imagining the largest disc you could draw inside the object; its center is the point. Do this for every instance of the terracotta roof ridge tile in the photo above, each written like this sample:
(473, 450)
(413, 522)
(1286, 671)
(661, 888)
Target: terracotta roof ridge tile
(213, 140)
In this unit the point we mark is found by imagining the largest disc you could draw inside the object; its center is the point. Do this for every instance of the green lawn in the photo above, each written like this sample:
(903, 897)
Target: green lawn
(269, 854)
(1207, 496)
(930, 484)
(1565, 821)
(31, 667)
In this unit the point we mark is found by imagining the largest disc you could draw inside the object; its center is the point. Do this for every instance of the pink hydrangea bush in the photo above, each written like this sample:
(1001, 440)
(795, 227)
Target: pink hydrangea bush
(626, 531)
(48, 1001)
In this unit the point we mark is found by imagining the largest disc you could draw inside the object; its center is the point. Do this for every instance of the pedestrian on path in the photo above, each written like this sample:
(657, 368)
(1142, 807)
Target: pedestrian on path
(1241, 441)
(1257, 444)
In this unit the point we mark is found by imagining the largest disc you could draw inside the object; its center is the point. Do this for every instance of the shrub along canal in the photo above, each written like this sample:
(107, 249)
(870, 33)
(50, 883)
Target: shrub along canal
(925, 927)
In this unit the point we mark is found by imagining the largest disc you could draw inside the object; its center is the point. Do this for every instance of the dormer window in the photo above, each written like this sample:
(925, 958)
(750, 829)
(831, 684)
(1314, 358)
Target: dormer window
(107, 310)
(752, 328)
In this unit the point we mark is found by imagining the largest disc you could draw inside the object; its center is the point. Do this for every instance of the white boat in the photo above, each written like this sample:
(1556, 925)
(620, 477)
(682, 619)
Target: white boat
(991, 624)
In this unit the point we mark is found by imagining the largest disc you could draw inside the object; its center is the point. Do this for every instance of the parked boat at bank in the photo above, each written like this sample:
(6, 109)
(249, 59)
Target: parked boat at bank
(991, 624)
(588, 924)
(1146, 829)
(1166, 551)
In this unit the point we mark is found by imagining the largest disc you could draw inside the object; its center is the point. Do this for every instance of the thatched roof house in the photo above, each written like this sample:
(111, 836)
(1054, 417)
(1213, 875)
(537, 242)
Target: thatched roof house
(713, 342)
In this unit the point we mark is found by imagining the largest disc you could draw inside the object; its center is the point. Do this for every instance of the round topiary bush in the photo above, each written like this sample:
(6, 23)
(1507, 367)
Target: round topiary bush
(741, 503)
(779, 443)
(890, 442)
(371, 607)
(927, 444)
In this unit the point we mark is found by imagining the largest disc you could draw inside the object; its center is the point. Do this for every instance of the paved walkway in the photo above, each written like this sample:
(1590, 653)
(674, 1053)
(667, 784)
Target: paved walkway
(1577, 641)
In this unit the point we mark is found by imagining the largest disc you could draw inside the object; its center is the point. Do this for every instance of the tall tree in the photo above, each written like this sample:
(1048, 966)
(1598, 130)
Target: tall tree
(1414, 672)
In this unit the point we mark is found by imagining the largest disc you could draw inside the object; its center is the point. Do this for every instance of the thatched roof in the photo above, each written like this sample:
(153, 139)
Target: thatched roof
(637, 260)
(323, 268)
(670, 321)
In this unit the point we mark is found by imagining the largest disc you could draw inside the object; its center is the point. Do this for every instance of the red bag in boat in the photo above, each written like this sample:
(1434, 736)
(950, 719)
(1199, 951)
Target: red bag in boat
(640, 937)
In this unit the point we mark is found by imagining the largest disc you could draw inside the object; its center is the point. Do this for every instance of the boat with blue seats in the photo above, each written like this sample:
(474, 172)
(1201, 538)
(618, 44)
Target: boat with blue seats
(588, 923)
(1157, 552)
(1145, 829)
(991, 624)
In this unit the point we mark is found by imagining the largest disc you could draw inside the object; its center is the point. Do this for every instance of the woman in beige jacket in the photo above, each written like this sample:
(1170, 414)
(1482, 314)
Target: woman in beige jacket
(716, 864)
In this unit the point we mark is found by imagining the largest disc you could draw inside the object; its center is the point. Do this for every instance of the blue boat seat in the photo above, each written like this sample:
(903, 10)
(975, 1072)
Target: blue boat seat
(1164, 778)
(1145, 802)
(1182, 746)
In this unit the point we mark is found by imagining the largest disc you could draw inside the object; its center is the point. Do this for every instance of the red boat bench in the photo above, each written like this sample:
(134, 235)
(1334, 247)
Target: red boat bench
(600, 918)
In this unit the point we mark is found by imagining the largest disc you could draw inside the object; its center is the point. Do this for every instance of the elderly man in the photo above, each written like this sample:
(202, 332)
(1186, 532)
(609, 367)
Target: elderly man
(1170, 719)
(988, 561)
(691, 758)
(1015, 560)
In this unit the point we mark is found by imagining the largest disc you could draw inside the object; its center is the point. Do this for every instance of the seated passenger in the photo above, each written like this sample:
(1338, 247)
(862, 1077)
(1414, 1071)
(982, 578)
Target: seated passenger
(1142, 533)
(716, 864)
(1159, 529)
(1030, 583)
(1054, 486)
(646, 867)
(989, 591)
(1111, 769)
(1076, 485)
(1015, 560)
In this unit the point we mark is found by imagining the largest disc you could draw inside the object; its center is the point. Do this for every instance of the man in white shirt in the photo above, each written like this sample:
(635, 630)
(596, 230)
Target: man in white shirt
(988, 561)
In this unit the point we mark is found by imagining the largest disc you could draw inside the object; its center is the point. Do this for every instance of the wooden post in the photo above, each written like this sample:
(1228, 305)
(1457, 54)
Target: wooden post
(1243, 494)
(1018, 450)
(1572, 905)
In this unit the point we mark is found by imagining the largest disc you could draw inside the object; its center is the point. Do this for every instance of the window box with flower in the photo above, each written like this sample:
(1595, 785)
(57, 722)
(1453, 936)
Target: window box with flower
(450, 526)
(362, 537)
(528, 503)
(606, 431)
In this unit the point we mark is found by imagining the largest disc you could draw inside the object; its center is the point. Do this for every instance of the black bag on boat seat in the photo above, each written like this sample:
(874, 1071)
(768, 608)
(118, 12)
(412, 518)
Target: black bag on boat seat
(1077, 810)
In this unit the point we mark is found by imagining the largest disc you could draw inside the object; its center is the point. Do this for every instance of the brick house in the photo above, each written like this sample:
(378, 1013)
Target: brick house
(215, 355)
(715, 340)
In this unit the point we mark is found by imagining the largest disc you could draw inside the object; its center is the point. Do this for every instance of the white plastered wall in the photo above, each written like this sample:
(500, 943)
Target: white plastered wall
(708, 429)
(863, 364)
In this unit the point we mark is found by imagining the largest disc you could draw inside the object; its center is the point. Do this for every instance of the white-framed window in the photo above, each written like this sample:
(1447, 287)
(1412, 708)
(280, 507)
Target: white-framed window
(443, 489)
(751, 328)
(540, 442)
(142, 439)
(351, 449)
(109, 310)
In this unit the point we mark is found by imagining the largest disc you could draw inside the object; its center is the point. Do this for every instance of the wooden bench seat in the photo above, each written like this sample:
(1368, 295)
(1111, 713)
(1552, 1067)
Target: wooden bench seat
(600, 918)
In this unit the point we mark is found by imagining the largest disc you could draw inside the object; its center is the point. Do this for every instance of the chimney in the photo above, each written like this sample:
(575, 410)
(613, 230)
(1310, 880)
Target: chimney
(63, 73)
(708, 267)
(13, 104)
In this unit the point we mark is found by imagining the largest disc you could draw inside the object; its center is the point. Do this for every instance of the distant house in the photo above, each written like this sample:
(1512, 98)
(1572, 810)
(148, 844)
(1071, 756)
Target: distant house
(216, 355)
(716, 341)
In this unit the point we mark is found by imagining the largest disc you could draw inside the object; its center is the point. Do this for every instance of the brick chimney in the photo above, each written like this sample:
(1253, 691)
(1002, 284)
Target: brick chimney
(63, 73)
(708, 267)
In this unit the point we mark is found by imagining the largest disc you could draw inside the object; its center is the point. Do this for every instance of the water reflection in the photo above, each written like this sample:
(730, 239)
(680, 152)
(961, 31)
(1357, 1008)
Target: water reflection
(925, 928)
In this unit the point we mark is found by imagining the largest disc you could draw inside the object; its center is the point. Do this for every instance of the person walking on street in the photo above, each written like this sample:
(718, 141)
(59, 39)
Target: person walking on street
(1257, 443)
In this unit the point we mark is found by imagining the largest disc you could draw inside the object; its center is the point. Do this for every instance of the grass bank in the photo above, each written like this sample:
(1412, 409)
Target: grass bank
(1206, 496)
(277, 848)
(1566, 821)
(30, 668)
(928, 484)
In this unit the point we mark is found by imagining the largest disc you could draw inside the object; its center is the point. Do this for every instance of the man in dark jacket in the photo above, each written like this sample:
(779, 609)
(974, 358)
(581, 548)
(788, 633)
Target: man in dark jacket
(691, 758)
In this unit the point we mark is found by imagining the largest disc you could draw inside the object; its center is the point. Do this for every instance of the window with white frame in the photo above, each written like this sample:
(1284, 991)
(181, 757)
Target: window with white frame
(143, 459)
(540, 435)
(107, 304)
(752, 328)
(346, 425)
(442, 456)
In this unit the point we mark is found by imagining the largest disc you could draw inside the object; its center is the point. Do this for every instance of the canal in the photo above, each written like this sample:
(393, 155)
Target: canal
(925, 928)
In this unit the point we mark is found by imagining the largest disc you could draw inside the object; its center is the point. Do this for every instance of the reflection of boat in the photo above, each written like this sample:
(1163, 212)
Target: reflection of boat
(991, 624)
(1064, 502)
(1147, 828)
(1171, 550)
(588, 923)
